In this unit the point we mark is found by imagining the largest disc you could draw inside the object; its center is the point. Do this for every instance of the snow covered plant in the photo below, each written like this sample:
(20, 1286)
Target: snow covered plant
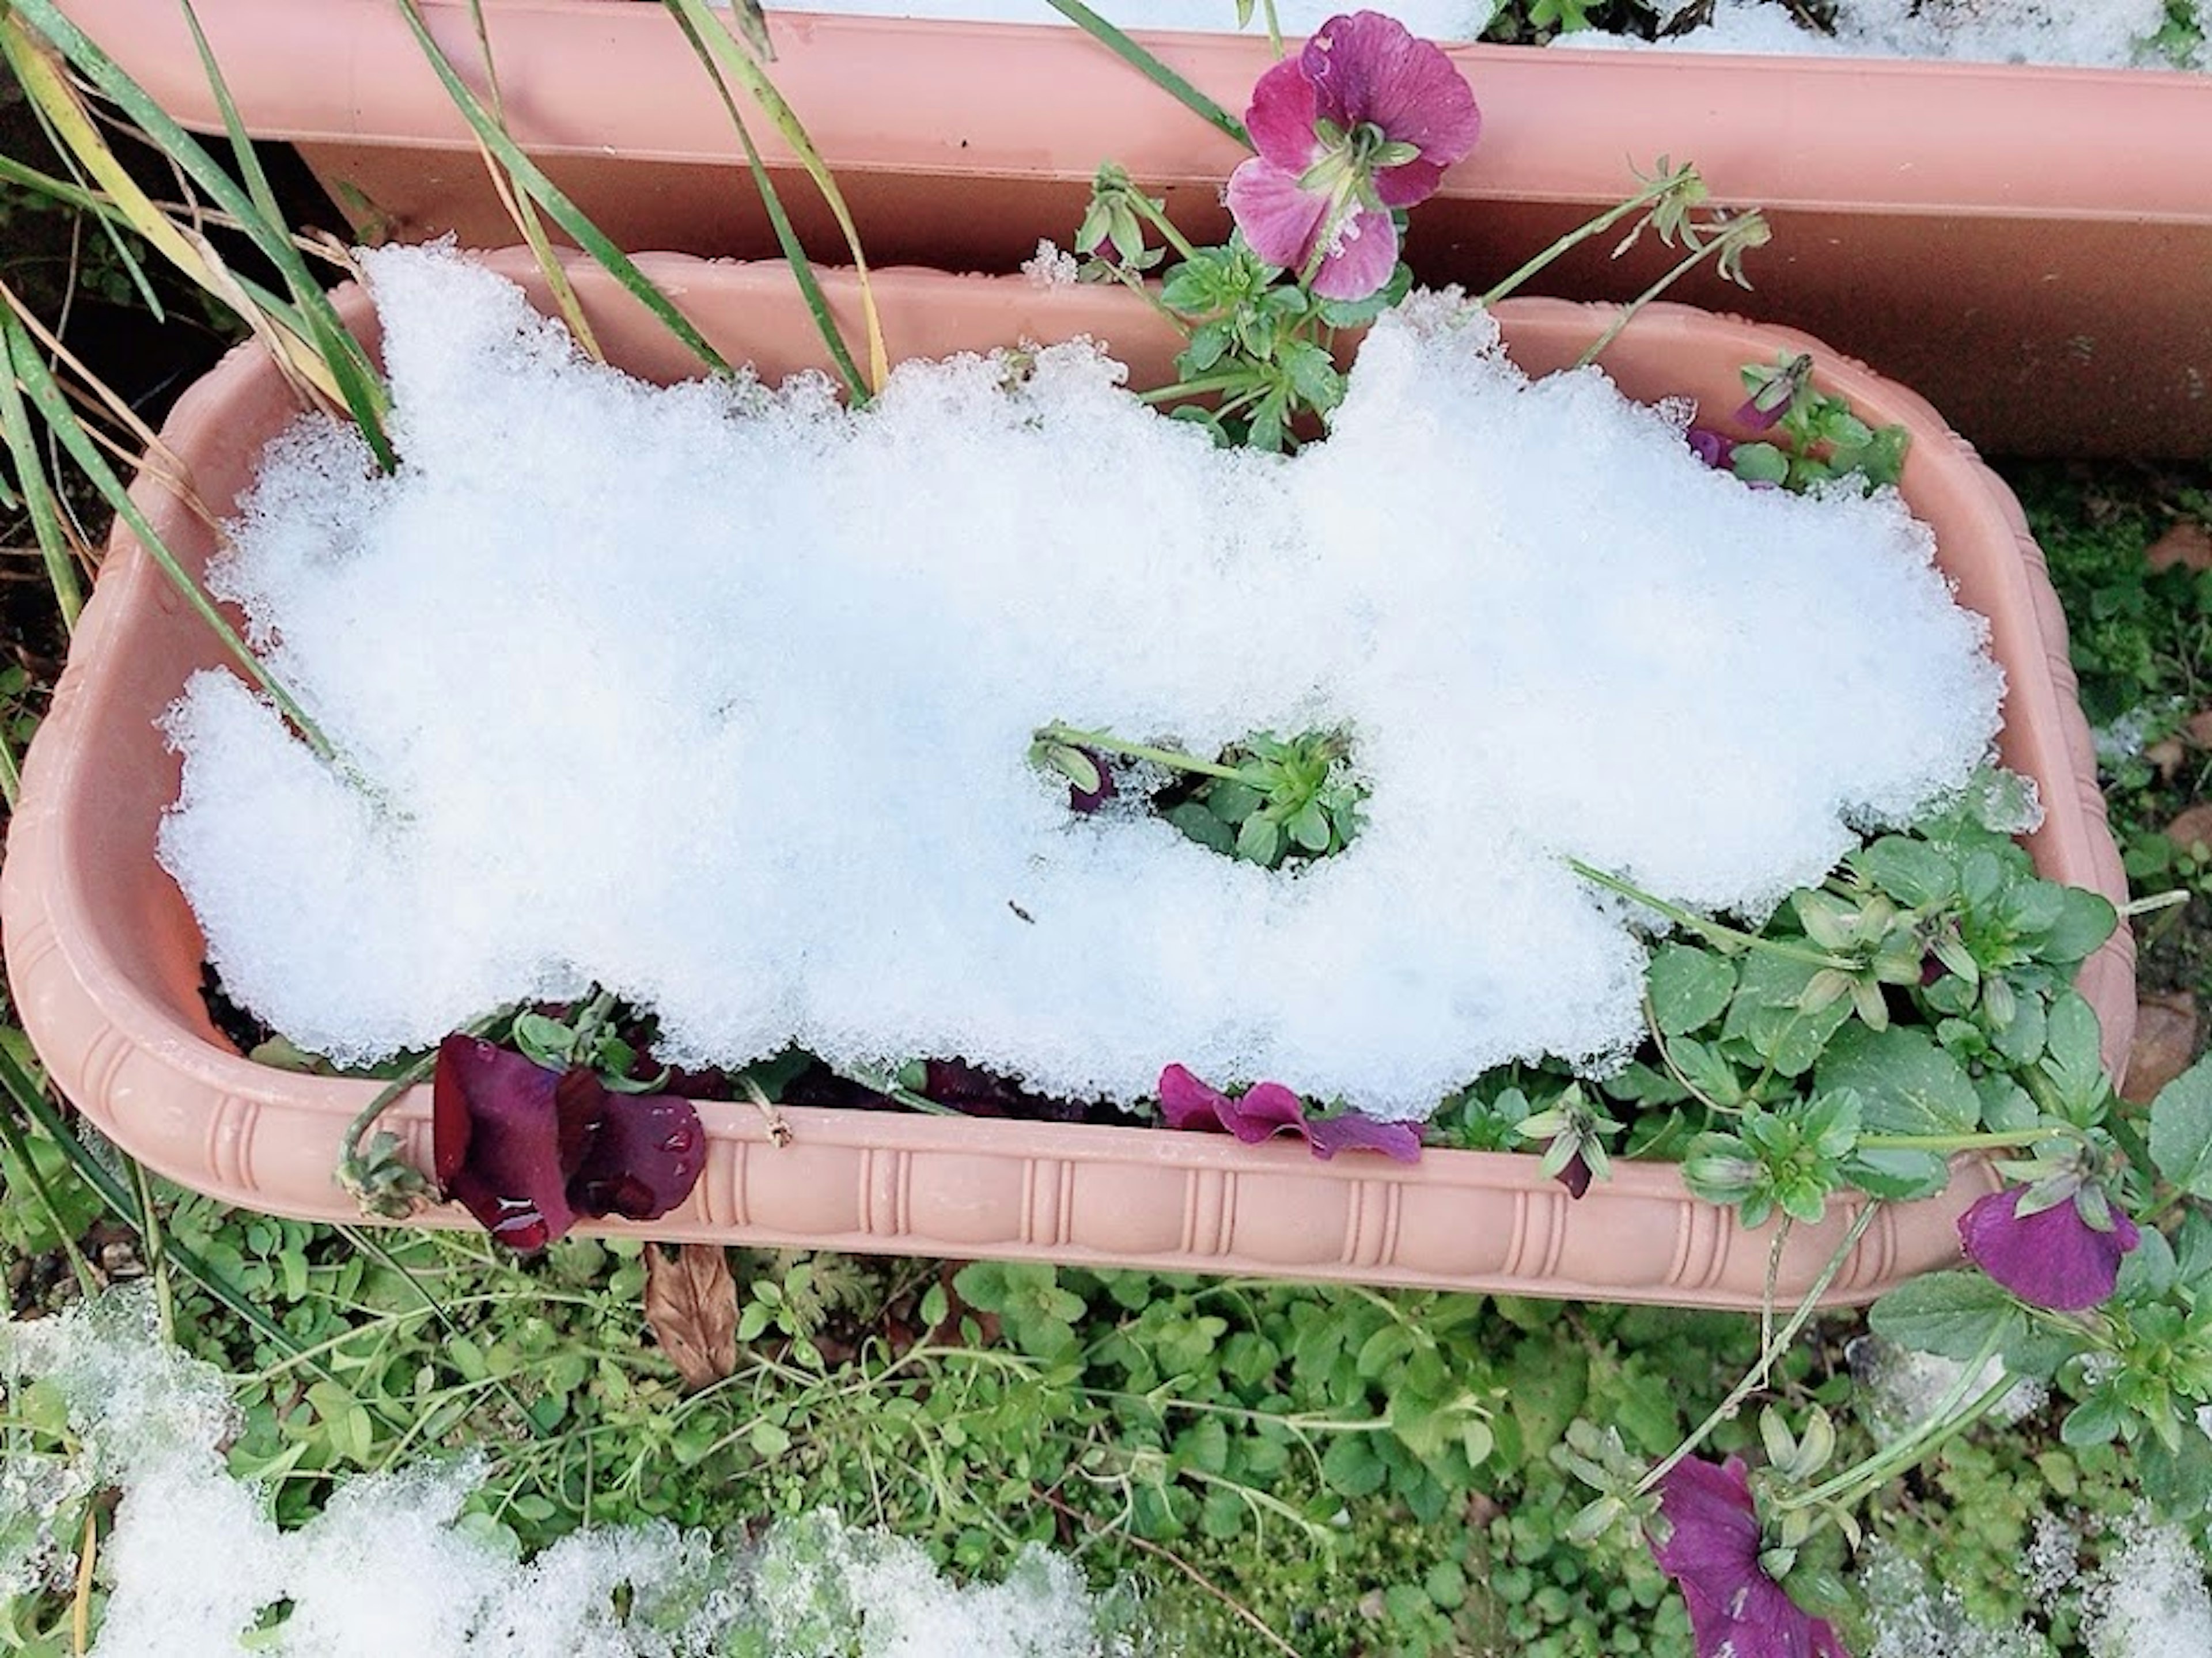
(1071, 922)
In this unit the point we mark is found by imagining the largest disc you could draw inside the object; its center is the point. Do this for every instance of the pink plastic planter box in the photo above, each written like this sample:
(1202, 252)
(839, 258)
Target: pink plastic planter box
(105, 959)
(2030, 248)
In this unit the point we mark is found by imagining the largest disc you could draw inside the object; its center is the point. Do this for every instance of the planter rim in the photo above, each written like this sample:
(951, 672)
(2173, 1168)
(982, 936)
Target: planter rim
(994, 99)
(160, 1082)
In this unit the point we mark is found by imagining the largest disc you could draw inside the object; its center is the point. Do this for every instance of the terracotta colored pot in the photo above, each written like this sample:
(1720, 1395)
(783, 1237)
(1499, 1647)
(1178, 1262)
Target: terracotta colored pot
(104, 957)
(2031, 248)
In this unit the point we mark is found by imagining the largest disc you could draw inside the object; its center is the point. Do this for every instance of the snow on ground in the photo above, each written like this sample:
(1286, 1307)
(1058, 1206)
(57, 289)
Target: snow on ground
(2093, 33)
(723, 698)
(193, 1562)
(1434, 20)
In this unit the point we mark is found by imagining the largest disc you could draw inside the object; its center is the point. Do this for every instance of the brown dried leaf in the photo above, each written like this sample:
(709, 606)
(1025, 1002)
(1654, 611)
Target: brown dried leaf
(2188, 543)
(691, 1303)
(2191, 827)
(2166, 1041)
(2199, 728)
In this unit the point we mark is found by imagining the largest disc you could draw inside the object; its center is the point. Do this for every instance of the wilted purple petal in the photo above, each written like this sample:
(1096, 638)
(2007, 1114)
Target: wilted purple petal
(1355, 1131)
(1711, 1549)
(1575, 1176)
(2053, 1258)
(495, 1138)
(1710, 447)
(644, 1158)
(1267, 1109)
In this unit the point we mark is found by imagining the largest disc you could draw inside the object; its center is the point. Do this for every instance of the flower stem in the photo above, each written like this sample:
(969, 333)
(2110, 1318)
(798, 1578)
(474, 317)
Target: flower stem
(1756, 1376)
(1613, 215)
(1940, 1424)
(1966, 1142)
(1174, 759)
(1688, 263)
(1154, 216)
(1705, 926)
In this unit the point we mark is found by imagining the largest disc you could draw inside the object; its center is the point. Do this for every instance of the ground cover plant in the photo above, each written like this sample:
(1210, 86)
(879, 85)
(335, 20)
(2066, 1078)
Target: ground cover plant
(1405, 1416)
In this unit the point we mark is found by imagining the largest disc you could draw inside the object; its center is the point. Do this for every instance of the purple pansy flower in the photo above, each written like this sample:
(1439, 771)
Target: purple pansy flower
(1267, 1109)
(1710, 447)
(1711, 1548)
(1364, 119)
(529, 1151)
(2054, 1257)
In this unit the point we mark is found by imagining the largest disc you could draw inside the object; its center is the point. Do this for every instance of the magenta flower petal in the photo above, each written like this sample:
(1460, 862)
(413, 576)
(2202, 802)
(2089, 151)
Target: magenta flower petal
(1370, 68)
(1280, 221)
(1711, 1549)
(1361, 256)
(644, 1158)
(1280, 120)
(2053, 1258)
(495, 1138)
(1355, 1131)
(1269, 1108)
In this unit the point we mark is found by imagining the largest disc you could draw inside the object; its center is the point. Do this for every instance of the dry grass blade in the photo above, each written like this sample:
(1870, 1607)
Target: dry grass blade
(691, 1303)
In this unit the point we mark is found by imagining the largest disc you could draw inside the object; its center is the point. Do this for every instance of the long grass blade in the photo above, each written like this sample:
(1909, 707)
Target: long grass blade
(524, 212)
(563, 211)
(45, 394)
(325, 350)
(1151, 69)
(787, 236)
(111, 230)
(40, 502)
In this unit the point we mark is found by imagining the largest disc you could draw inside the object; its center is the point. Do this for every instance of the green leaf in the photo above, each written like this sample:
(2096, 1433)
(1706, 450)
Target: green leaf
(2085, 921)
(1759, 463)
(1910, 871)
(1954, 1315)
(2177, 1479)
(1310, 827)
(1259, 840)
(1201, 825)
(1351, 1467)
(1769, 1013)
(1690, 987)
(1907, 1085)
(2181, 1131)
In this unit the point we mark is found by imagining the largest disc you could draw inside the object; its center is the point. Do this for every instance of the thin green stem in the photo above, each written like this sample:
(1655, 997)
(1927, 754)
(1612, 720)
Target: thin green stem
(1687, 263)
(1174, 759)
(1143, 206)
(1966, 1142)
(1151, 69)
(892, 1088)
(1597, 227)
(1705, 926)
(1940, 1424)
(1755, 1377)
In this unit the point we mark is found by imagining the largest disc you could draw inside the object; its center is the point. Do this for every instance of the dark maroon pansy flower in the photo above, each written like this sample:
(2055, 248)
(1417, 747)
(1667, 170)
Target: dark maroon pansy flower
(1082, 801)
(529, 1151)
(1711, 1548)
(1575, 1176)
(1269, 1108)
(1364, 119)
(2054, 1257)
